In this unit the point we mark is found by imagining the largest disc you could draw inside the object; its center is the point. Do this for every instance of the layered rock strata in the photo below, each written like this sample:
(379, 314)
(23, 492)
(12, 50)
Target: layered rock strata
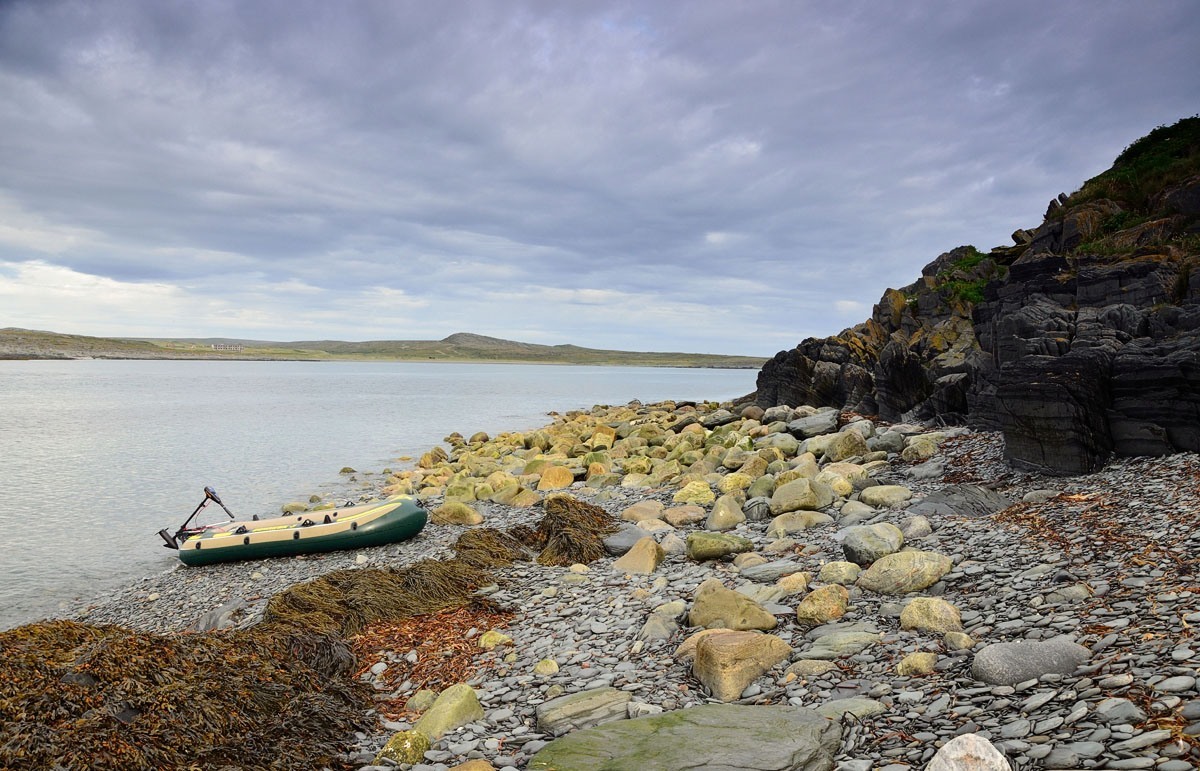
(1079, 341)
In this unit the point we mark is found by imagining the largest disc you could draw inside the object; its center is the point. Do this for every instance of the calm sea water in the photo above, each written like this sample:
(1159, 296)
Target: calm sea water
(96, 456)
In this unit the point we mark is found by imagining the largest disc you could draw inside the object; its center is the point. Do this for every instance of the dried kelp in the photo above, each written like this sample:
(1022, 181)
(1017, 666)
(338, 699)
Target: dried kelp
(574, 531)
(532, 537)
(86, 697)
(445, 653)
(345, 601)
(488, 547)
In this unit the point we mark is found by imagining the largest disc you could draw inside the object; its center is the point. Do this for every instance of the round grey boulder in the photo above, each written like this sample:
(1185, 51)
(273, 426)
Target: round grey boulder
(863, 544)
(623, 540)
(1009, 663)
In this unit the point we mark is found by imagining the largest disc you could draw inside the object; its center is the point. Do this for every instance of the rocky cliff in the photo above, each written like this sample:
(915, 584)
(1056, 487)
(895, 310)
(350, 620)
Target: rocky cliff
(1079, 341)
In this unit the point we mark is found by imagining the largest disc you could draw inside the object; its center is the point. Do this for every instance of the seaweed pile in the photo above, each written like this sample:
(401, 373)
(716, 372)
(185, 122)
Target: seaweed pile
(74, 696)
(573, 531)
(444, 654)
(344, 602)
(280, 695)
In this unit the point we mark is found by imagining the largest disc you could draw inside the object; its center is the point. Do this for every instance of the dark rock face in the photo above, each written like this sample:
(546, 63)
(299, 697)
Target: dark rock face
(1105, 361)
(1073, 358)
(1185, 198)
(908, 361)
(801, 376)
(1051, 410)
(1081, 340)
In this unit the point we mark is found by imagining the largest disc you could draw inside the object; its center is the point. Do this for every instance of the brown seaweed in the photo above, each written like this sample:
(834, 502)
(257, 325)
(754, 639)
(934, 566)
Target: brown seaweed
(280, 695)
(574, 531)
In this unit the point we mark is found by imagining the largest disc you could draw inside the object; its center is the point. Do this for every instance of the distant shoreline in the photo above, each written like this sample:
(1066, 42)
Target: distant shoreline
(34, 345)
(7, 357)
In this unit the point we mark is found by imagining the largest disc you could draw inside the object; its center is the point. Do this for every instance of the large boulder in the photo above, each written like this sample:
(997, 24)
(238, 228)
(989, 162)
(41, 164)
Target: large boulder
(767, 572)
(885, 496)
(404, 747)
(797, 521)
(727, 662)
(785, 443)
(603, 437)
(930, 614)
(663, 621)
(696, 492)
(644, 557)
(835, 641)
(681, 516)
(555, 478)
(1007, 663)
(968, 752)
(863, 544)
(716, 606)
(839, 572)
(648, 509)
(726, 737)
(847, 444)
(705, 546)
(856, 707)
(726, 514)
(917, 664)
(796, 495)
(824, 422)
(455, 513)
(905, 572)
(456, 706)
(962, 501)
(624, 538)
(822, 605)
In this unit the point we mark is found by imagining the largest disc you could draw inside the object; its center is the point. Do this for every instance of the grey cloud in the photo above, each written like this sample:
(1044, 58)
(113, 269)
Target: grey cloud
(735, 168)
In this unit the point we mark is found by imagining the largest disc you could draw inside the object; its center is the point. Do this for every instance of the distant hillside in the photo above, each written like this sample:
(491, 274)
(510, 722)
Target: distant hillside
(33, 344)
(461, 346)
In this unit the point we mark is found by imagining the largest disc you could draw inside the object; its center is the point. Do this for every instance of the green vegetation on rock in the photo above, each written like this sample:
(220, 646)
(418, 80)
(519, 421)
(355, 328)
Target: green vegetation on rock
(1164, 157)
(964, 278)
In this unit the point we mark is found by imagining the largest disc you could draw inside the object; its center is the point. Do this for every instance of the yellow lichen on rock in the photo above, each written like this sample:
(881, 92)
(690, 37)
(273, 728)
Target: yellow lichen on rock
(492, 638)
(456, 706)
(404, 747)
(697, 492)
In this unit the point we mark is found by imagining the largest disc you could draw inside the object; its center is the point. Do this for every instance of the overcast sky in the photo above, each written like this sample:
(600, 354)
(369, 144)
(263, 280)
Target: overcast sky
(710, 176)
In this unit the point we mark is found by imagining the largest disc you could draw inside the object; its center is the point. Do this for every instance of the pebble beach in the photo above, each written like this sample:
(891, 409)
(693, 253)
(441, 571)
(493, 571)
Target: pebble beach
(776, 529)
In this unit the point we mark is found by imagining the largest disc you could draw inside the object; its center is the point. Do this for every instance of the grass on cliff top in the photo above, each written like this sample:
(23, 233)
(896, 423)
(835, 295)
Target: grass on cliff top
(1164, 157)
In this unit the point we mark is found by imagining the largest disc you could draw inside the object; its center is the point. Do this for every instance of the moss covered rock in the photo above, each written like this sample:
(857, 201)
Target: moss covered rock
(456, 706)
(755, 738)
(404, 747)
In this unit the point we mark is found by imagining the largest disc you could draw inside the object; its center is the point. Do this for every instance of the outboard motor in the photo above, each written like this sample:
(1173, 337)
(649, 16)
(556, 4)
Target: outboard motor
(172, 541)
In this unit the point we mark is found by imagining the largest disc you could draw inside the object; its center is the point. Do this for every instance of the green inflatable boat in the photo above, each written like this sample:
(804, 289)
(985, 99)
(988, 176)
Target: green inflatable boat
(352, 527)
